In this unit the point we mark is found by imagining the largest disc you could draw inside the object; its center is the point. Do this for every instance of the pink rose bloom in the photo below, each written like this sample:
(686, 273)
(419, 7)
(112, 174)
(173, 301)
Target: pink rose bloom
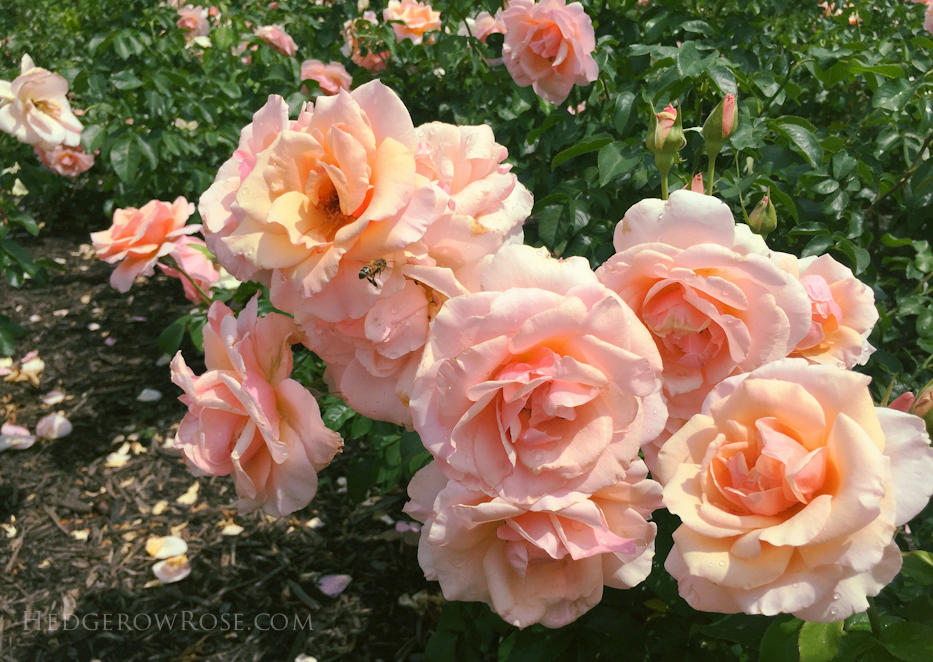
(34, 108)
(353, 46)
(696, 184)
(276, 37)
(331, 77)
(196, 264)
(194, 21)
(843, 311)
(247, 417)
(371, 331)
(545, 563)
(339, 184)
(66, 161)
(416, 19)
(790, 485)
(543, 383)
(928, 19)
(139, 237)
(217, 205)
(548, 45)
(713, 302)
(482, 26)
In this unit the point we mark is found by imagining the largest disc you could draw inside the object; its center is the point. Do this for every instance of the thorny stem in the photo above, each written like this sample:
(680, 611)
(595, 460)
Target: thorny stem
(903, 180)
(177, 267)
(790, 72)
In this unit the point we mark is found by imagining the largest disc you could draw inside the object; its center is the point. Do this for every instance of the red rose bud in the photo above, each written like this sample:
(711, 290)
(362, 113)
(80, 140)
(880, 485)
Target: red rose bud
(721, 124)
(696, 184)
(763, 218)
(665, 133)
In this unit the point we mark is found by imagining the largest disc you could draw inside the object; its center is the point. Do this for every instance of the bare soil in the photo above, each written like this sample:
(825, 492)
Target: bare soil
(74, 545)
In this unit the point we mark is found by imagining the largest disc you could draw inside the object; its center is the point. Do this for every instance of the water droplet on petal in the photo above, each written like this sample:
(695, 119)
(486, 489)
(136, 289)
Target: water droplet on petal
(539, 457)
(722, 563)
(654, 411)
(628, 322)
(394, 310)
(796, 584)
(835, 596)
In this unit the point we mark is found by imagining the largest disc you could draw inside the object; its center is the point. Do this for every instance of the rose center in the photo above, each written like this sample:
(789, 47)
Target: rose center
(48, 107)
(546, 42)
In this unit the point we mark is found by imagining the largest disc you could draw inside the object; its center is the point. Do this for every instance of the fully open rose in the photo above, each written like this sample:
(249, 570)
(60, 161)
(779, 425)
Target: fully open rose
(247, 417)
(715, 304)
(842, 307)
(34, 108)
(790, 485)
(139, 237)
(66, 161)
(415, 19)
(542, 564)
(549, 45)
(542, 383)
(370, 323)
(338, 184)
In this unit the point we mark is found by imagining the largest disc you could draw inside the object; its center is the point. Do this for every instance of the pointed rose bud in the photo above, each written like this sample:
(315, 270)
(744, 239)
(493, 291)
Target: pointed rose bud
(902, 403)
(696, 184)
(923, 407)
(763, 218)
(665, 133)
(720, 124)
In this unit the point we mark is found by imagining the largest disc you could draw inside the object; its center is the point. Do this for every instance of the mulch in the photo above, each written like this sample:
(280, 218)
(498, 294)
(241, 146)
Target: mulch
(73, 544)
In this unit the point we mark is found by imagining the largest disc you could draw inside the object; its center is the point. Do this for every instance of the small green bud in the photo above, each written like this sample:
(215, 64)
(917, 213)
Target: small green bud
(763, 218)
(720, 124)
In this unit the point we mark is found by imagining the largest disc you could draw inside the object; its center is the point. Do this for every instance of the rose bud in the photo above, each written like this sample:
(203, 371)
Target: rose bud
(666, 133)
(696, 184)
(721, 124)
(763, 218)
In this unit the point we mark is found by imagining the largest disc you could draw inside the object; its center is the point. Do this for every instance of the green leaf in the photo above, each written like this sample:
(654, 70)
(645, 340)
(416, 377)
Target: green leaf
(925, 323)
(149, 150)
(534, 134)
(613, 163)
(723, 78)
(819, 642)
(126, 80)
(918, 566)
(893, 95)
(795, 130)
(911, 642)
(547, 224)
(887, 70)
(7, 342)
(229, 88)
(92, 136)
(689, 60)
(21, 255)
(170, 338)
(843, 164)
(125, 157)
(584, 147)
(779, 643)
(336, 415)
(624, 104)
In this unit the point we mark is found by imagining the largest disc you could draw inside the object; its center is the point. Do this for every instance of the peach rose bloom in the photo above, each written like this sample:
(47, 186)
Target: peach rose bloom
(217, 204)
(34, 108)
(66, 161)
(194, 21)
(276, 37)
(928, 19)
(790, 485)
(714, 303)
(482, 26)
(338, 185)
(542, 383)
(371, 333)
(139, 237)
(353, 45)
(332, 77)
(548, 45)
(246, 417)
(416, 19)
(545, 563)
(843, 311)
(196, 264)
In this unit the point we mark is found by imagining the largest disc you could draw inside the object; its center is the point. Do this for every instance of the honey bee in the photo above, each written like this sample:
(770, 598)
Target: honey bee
(373, 269)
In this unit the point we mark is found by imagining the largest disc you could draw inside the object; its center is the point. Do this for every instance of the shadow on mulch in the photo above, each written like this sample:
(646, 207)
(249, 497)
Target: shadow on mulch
(75, 529)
